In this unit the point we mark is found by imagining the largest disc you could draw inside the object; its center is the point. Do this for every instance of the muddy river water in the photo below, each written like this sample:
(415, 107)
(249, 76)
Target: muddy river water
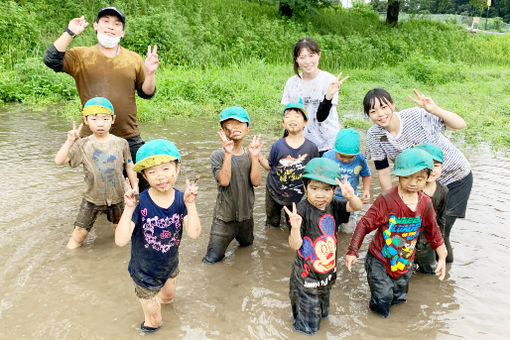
(48, 292)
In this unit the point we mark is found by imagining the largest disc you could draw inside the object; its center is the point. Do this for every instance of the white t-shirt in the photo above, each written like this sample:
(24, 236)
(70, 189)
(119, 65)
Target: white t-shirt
(312, 93)
(417, 126)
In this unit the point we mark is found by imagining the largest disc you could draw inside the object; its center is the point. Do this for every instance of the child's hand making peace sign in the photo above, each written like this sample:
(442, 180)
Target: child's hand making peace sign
(294, 218)
(345, 187)
(129, 195)
(191, 191)
(74, 133)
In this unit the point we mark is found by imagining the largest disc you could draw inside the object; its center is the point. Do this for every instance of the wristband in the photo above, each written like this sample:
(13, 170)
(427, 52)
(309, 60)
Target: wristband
(71, 33)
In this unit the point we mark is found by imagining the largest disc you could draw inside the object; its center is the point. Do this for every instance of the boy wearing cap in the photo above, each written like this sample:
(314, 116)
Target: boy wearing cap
(399, 216)
(287, 159)
(155, 225)
(425, 258)
(104, 158)
(236, 170)
(314, 227)
(108, 70)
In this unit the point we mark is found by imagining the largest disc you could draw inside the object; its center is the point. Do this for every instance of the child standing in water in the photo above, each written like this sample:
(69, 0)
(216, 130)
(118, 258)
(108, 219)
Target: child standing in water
(425, 258)
(319, 91)
(104, 157)
(155, 225)
(286, 162)
(236, 171)
(314, 228)
(399, 216)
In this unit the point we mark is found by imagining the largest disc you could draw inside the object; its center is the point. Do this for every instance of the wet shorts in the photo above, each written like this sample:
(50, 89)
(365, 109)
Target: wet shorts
(307, 309)
(146, 293)
(89, 211)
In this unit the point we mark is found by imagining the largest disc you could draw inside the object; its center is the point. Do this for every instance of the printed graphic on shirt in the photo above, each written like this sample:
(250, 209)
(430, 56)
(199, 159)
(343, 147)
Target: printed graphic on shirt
(321, 252)
(400, 241)
(161, 234)
(105, 165)
(290, 169)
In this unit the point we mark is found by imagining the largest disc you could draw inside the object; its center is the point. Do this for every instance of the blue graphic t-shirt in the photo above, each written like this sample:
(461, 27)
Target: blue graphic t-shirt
(358, 167)
(284, 179)
(155, 240)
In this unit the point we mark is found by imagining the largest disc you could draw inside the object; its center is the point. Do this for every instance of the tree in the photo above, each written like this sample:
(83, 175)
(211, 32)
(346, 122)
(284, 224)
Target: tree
(392, 12)
(289, 7)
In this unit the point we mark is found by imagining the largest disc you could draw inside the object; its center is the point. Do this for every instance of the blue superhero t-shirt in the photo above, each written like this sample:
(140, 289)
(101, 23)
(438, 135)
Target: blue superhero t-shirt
(354, 169)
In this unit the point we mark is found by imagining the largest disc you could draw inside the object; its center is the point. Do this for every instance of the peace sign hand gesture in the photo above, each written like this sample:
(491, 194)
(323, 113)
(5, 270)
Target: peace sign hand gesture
(334, 87)
(74, 133)
(151, 61)
(255, 147)
(346, 188)
(191, 191)
(294, 218)
(78, 25)
(129, 195)
(424, 102)
(228, 144)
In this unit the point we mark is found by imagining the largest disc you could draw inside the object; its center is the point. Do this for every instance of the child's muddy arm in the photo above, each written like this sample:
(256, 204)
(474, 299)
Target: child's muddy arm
(264, 162)
(295, 239)
(125, 227)
(366, 188)
(72, 135)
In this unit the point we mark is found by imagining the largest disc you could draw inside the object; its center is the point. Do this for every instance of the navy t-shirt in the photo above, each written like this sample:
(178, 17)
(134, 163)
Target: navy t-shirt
(155, 240)
(284, 179)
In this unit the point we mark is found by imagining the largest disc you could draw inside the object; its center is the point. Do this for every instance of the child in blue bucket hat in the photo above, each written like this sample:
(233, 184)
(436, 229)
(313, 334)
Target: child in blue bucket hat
(399, 216)
(236, 171)
(154, 225)
(287, 160)
(104, 158)
(425, 258)
(315, 223)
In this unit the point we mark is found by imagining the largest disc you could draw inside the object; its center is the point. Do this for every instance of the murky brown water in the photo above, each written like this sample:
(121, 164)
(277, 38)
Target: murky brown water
(48, 292)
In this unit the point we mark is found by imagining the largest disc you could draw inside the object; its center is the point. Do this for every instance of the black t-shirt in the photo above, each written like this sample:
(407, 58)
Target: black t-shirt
(315, 264)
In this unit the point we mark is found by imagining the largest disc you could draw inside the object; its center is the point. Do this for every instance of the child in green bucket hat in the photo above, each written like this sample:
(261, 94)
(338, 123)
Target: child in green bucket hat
(315, 224)
(236, 171)
(104, 158)
(425, 258)
(154, 225)
(399, 216)
(351, 162)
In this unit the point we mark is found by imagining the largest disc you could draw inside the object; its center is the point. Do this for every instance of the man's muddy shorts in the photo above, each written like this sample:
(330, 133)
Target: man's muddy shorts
(307, 309)
(89, 211)
(384, 290)
(146, 293)
(222, 233)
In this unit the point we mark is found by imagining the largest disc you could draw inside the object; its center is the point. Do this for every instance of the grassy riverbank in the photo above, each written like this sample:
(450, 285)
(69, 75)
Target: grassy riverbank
(224, 52)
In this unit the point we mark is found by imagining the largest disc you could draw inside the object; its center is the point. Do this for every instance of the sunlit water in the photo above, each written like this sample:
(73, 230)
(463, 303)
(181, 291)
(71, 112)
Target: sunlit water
(48, 292)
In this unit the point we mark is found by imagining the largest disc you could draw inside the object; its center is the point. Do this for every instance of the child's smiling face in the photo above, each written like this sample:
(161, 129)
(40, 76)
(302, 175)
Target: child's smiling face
(162, 177)
(381, 112)
(319, 194)
(293, 121)
(234, 129)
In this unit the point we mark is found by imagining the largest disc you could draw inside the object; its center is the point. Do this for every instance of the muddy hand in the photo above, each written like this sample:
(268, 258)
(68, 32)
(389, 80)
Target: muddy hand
(294, 218)
(228, 145)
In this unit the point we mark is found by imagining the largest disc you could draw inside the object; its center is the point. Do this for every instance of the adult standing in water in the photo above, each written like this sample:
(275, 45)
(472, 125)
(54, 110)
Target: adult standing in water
(394, 132)
(319, 92)
(108, 70)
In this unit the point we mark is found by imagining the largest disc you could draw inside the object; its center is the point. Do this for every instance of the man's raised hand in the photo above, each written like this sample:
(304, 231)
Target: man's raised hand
(78, 25)
(151, 61)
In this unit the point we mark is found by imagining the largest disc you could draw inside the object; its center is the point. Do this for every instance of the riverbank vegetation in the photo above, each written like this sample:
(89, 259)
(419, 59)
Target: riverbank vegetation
(217, 53)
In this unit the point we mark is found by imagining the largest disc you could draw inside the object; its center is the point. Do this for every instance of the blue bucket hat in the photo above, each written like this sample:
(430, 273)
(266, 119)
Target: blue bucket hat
(155, 152)
(298, 105)
(235, 112)
(322, 170)
(97, 105)
(434, 150)
(412, 160)
(347, 142)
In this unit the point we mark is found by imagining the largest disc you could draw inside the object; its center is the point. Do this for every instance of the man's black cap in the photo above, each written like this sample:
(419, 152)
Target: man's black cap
(111, 11)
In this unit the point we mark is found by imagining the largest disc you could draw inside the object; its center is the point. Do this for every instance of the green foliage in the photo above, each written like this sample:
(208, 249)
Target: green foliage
(431, 72)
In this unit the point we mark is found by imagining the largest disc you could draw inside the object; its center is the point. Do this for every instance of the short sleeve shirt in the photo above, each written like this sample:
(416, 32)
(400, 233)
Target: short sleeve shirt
(312, 93)
(354, 169)
(155, 240)
(103, 166)
(417, 126)
(287, 164)
(235, 201)
(114, 78)
(315, 264)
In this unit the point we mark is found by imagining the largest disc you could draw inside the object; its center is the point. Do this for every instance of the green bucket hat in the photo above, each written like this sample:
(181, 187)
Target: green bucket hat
(434, 150)
(155, 152)
(347, 142)
(298, 105)
(322, 170)
(97, 105)
(235, 112)
(411, 161)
